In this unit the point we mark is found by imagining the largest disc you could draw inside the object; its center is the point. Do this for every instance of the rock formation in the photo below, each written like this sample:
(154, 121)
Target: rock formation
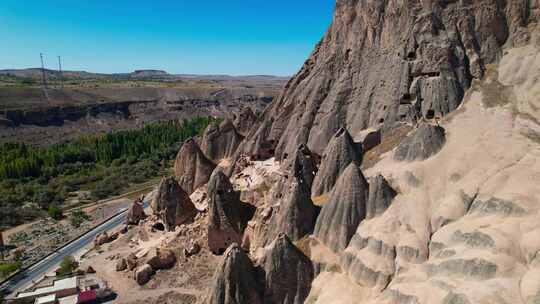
(192, 168)
(172, 204)
(288, 273)
(339, 153)
(143, 274)
(381, 195)
(385, 61)
(303, 164)
(228, 216)
(162, 258)
(135, 213)
(340, 217)
(296, 214)
(424, 142)
(235, 280)
(245, 121)
(220, 141)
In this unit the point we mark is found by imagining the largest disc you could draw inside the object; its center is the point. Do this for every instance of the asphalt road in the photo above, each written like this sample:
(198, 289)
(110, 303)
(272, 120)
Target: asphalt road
(35, 272)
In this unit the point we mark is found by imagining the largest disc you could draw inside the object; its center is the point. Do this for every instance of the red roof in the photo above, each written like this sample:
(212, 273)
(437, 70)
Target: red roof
(87, 296)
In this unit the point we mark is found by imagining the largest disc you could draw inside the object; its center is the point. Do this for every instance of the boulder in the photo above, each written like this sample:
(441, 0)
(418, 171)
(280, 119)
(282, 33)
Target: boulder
(228, 216)
(344, 211)
(90, 270)
(162, 259)
(135, 213)
(102, 238)
(288, 273)
(121, 265)
(131, 261)
(143, 274)
(192, 168)
(235, 280)
(381, 195)
(192, 249)
(339, 153)
(245, 121)
(172, 204)
(220, 141)
(421, 144)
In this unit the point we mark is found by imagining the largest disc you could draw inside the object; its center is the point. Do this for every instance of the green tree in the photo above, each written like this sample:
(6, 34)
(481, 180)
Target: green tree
(67, 266)
(77, 217)
(55, 212)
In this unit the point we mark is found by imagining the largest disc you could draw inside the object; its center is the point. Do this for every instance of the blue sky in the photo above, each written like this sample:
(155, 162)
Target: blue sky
(183, 36)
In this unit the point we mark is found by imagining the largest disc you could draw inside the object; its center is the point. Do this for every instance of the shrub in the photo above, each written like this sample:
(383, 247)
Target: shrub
(67, 266)
(78, 217)
(55, 212)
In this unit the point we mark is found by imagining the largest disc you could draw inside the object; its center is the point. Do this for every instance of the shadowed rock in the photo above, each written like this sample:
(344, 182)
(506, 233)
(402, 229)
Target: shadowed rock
(288, 271)
(172, 204)
(303, 165)
(235, 280)
(228, 216)
(245, 121)
(297, 214)
(381, 195)
(339, 153)
(143, 274)
(424, 142)
(220, 141)
(346, 208)
(135, 213)
(192, 168)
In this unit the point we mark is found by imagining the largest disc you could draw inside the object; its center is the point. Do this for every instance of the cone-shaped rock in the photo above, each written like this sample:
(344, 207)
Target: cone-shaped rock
(381, 195)
(346, 208)
(424, 142)
(297, 213)
(303, 165)
(192, 168)
(339, 153)
(135, 213)
(245, 121)
(172, 204)
(220, 141)
(288, 271)
(228, 216)
(235, 280)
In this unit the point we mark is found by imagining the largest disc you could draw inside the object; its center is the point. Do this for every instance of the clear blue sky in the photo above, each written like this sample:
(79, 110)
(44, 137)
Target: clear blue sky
(180, 36)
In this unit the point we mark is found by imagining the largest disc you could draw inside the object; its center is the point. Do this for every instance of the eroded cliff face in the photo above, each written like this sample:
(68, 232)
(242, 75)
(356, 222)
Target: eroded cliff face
(387, 61)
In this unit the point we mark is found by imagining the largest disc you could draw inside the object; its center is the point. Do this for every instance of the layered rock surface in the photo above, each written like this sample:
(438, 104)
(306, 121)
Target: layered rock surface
(245, 121)
(235, 280)
(172, 204)
(347, 206)
(192, 168)
(421, 144)
(340, 152)
(288, 273)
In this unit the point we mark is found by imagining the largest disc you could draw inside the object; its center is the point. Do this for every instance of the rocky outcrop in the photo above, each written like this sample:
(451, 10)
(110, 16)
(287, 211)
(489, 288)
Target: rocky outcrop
(340, 217)
(421, 144)
(192, 168)
(228, 216)
(339, 153)
(303, 164)
(135, 213)
(288, 273)
(245, 121)
(381, 195)
(381, 62)
(104, 238)
(220, 141)
(121, 265)
(172, 204)
(296, 214)
(235, 280)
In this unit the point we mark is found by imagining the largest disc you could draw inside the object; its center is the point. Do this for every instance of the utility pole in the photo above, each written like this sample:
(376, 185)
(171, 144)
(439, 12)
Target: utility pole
(60, 70)
(1, 245)
(43, 77)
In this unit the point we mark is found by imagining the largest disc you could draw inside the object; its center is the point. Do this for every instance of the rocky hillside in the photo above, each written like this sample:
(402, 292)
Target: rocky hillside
(400, 165)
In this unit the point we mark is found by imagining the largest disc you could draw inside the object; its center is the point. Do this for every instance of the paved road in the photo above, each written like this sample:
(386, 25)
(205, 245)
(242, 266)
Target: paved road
(35, 272)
